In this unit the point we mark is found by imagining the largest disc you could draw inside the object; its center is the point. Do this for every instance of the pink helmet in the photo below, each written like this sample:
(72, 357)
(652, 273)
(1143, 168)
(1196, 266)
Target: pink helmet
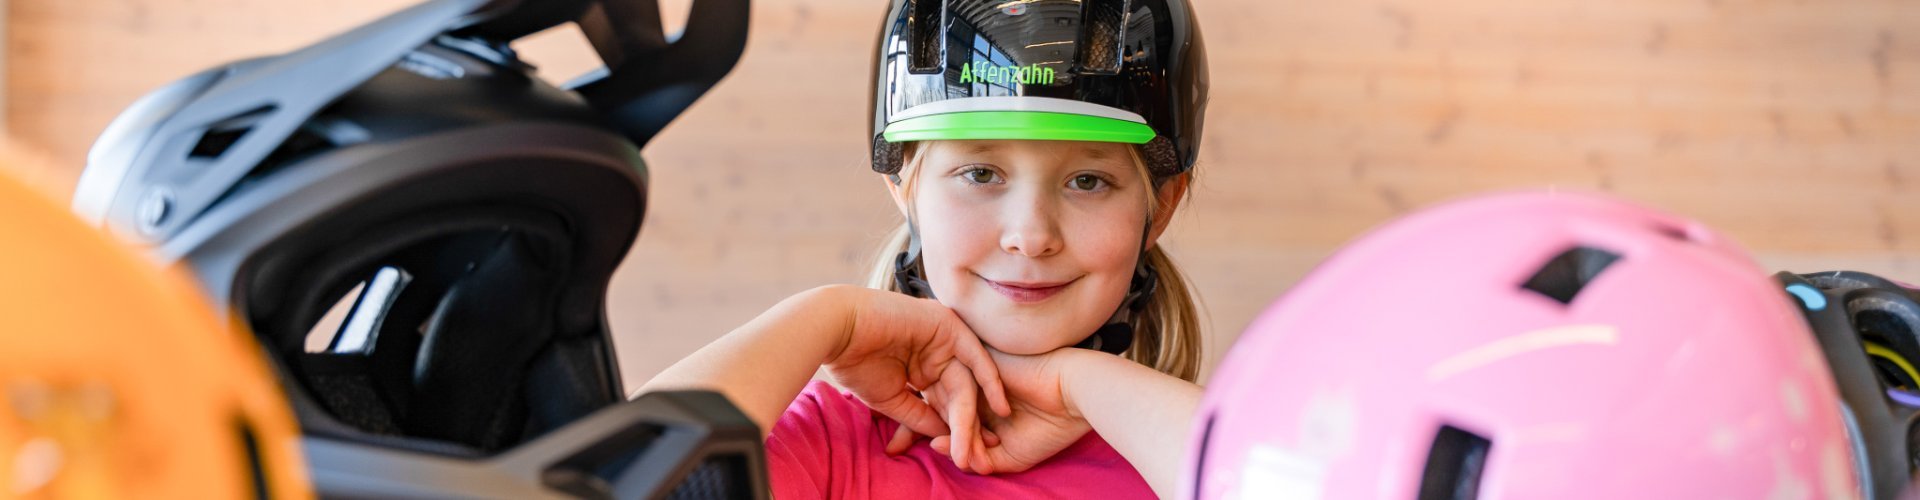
(1527, 345)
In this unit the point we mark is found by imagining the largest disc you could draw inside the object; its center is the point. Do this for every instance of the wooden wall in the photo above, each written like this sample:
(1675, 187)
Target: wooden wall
(1793, 126)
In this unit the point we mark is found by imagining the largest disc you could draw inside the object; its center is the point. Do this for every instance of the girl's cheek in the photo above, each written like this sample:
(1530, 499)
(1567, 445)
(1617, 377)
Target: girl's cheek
(1109, 239)
(965, 226)
(955, 241)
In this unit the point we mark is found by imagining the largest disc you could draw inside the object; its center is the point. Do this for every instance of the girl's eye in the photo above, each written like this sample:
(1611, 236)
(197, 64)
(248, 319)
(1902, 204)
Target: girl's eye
(1087, 182)
(980, 176)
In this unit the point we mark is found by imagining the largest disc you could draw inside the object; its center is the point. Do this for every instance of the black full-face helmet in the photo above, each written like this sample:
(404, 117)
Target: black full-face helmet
(459, 219)
(1868, 328)
(1126, 71)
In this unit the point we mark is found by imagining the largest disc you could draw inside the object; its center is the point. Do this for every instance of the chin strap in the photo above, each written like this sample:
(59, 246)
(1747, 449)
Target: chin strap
(906, 267)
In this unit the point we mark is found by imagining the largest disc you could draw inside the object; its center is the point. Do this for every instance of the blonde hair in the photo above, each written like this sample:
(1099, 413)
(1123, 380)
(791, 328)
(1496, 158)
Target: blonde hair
(1166, 334)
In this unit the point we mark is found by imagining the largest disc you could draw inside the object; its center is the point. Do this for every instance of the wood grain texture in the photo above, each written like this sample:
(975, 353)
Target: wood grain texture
(1789, 125)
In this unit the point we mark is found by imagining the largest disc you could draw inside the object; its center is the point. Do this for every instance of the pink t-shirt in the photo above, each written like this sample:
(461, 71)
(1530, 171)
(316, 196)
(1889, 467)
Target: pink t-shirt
(829, 445)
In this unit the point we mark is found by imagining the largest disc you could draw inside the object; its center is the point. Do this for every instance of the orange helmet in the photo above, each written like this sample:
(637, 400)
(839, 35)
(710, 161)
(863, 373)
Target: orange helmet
(118, 381)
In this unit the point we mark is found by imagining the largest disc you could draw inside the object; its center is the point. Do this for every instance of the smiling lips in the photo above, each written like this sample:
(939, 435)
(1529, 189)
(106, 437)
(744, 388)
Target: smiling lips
(1027, 292)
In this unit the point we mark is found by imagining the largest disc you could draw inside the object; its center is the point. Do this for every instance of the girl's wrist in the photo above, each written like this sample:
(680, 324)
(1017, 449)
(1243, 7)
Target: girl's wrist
(1077, 368)
(839, 301)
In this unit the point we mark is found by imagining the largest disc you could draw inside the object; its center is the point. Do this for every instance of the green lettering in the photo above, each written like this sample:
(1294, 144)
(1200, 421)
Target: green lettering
(985, 72)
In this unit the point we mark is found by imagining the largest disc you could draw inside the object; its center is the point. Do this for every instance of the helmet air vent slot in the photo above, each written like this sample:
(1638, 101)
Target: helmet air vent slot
(223, 135)
(1568, 273)
(1885, 323)
(926, 46)
(1104, 31)
(257, 467)
(1454, 466)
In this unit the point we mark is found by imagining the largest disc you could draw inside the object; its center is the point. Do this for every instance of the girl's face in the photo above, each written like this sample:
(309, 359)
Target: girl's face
(1033, 243)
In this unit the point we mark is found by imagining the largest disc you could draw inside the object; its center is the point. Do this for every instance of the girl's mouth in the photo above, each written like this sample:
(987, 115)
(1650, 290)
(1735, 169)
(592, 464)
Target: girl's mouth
(1027, 292)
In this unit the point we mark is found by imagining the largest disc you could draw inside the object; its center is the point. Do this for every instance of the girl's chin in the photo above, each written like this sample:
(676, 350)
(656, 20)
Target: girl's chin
(1021, 347)
(1015, 339)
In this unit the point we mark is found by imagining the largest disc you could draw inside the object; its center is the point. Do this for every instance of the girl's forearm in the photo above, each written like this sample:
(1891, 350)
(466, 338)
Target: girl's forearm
(1142, 413)
(764, 364)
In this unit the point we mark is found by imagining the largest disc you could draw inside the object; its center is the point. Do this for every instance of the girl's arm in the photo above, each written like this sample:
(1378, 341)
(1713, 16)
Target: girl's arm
(877, 344)
(1146, 415)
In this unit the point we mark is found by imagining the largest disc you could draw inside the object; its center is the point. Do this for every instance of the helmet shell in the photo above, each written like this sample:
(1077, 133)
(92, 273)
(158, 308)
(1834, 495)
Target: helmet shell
(1042, 69)
(1529, 345)
(119, 380)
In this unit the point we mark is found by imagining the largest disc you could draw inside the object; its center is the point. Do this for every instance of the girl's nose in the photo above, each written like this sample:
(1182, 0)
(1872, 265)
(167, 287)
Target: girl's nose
(1032, 230)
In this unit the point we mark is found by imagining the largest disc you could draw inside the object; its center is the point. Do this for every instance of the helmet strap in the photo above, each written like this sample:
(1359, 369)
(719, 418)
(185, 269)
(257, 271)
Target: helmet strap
(907, 271)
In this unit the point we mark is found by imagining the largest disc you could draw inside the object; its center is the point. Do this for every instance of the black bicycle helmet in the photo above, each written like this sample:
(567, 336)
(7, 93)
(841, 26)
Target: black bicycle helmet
(1130, 71)
(1869, 329)
(1127, 71)
(471, 213)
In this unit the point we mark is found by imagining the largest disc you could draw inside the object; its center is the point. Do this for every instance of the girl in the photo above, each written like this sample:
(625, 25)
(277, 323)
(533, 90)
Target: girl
(1038, 149)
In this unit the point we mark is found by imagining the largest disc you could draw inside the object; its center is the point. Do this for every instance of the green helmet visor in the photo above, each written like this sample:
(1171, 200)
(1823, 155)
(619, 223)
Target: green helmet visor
(1026, 125)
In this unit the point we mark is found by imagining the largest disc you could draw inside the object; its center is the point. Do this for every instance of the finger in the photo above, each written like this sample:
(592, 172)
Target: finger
(974, 356)
(912, 413)
(979, 463)
(962, 413)
(988, 422)
(903, 438)
(986, 465)
(961, 453)
(976, 445)
(985, 373)
(941, 444)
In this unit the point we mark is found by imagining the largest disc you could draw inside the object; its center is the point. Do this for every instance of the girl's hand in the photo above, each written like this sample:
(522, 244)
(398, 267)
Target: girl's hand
(1042, 422)
(897, 344)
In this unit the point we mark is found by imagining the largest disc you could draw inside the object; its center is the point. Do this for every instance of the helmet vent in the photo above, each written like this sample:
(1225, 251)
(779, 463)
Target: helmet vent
(592, 472)
(226, 133)
(1200, 456)
(597, 472)
(1568, 273)
(1885, 325)
(1454, 465)
(1104, 30)
(1675, 232)
(720, 476)
(256, 465)
(926, 49)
